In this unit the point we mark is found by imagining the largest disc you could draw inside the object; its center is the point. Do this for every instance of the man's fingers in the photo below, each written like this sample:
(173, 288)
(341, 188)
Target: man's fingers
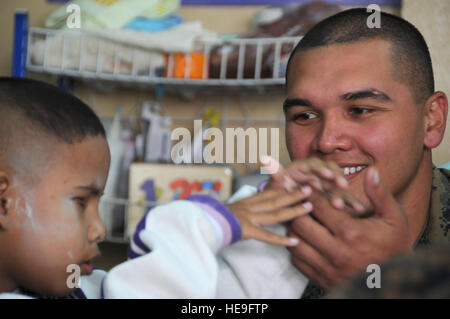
(340, 178)
(343, 200)
(281, 215)
(331, 171)
(310, 262)
(317, 236)
(384, 204)
(309, 272)
(303, 173)
(314, 171)
(339, 197)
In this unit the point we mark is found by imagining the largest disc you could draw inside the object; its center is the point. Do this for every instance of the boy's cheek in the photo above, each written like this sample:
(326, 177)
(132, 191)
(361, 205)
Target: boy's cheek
(55, 284)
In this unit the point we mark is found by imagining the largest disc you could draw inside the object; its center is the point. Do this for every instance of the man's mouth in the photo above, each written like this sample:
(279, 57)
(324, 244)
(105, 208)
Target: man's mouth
(351, 172)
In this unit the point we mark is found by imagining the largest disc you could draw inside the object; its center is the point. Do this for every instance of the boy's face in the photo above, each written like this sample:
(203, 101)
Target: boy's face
(56, 222)
(345, 106)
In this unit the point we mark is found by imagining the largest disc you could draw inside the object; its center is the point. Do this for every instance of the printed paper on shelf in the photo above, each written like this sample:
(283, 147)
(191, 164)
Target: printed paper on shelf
(162, 183)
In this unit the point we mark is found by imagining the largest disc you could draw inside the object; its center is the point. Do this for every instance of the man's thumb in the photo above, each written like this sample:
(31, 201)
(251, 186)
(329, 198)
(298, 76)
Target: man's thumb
(383, 202)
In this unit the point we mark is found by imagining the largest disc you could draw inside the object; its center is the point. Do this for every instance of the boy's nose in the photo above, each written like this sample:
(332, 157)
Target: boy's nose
(96, 230)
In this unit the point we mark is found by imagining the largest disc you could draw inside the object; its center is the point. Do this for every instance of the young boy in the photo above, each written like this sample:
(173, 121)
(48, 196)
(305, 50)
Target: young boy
(54, 160)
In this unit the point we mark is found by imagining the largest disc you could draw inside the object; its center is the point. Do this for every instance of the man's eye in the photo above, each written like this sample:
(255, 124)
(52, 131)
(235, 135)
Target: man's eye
(304, 116)
(360, 110)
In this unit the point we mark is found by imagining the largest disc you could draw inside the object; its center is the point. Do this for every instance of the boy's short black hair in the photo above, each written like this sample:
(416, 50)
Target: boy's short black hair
(56, 112)
(35, 113)
(411, 61)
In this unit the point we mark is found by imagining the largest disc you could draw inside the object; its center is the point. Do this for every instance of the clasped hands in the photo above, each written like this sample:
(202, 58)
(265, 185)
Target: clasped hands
(331, 235)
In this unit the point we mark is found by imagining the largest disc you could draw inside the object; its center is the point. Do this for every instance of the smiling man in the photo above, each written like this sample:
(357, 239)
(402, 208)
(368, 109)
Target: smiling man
(363, 99)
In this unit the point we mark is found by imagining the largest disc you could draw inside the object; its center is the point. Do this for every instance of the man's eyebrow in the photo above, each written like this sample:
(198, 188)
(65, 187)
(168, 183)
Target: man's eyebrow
(288, 103)
(366, 94)
(95, 191)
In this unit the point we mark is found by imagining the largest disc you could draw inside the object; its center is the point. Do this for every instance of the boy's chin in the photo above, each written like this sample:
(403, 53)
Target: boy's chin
(64, 292)
(47, 293)
(58, 290)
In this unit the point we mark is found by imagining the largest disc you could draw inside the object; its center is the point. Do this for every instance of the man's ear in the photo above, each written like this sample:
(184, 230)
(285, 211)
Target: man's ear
(4, 185)
(435, 119)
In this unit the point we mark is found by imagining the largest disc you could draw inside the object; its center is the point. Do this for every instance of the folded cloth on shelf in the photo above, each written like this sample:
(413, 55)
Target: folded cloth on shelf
(113, 14)
(181, 38)
(121, 51)
(154, 24)
(121, 59)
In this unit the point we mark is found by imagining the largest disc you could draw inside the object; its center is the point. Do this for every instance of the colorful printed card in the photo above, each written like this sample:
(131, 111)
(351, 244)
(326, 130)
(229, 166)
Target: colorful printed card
(162, 183)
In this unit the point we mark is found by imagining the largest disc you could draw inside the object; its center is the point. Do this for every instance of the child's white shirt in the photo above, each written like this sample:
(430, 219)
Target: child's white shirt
(183, 250)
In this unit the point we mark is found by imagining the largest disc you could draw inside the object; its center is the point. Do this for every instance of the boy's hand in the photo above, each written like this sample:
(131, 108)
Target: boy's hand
(325, 177)
(271, 207)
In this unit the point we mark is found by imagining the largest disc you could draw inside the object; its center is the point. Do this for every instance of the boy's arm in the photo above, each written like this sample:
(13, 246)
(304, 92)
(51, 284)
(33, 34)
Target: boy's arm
(173, 254)
(175, 244)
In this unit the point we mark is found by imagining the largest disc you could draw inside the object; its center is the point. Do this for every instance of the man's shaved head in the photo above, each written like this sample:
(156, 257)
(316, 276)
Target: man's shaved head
(34, 118)
(411, 61)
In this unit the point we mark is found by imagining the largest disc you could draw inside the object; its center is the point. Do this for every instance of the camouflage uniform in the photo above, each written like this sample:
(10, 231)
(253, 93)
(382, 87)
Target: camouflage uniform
(423, 274)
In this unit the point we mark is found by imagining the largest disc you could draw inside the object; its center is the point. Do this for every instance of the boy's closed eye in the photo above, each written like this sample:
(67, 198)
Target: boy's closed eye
(81, 201)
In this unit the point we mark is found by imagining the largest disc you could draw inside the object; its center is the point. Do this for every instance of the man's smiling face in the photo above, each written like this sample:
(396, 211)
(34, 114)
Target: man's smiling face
(344, 105)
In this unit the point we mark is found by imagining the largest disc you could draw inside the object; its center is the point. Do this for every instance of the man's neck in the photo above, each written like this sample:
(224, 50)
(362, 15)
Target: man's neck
(416, 199)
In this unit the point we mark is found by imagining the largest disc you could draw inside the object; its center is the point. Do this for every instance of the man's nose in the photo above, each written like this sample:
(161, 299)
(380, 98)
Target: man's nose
(333, 135)
(96, 230)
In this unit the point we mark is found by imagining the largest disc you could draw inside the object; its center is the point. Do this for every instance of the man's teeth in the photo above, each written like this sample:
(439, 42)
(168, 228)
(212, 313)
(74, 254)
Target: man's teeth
(353, 169)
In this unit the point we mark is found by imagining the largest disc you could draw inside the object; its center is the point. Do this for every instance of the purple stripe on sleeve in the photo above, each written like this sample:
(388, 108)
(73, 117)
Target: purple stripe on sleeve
(79, 294)
(224, 225)
(102, 293)
(132, 254)
(140, 227)
(236, 230)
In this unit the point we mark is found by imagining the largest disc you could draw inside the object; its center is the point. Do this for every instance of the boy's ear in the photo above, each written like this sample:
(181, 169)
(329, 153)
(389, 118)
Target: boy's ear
(4, 184)
(436, 109)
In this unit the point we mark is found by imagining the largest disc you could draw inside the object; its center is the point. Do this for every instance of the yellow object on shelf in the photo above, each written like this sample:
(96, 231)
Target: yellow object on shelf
(211, 117)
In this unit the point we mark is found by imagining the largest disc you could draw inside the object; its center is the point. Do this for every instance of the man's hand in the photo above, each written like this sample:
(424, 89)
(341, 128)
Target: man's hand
(270, 207)
(334, 245)
(325, 177)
